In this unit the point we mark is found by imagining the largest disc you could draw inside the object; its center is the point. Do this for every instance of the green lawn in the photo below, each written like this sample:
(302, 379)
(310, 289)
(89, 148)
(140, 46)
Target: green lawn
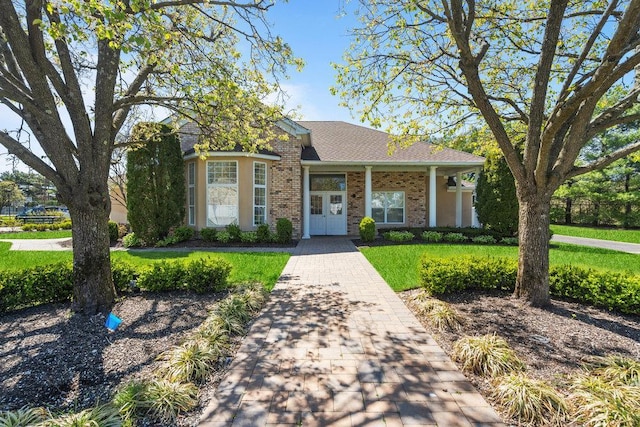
(56, 234)
(398, 265)
(629, 236)
(247, 267)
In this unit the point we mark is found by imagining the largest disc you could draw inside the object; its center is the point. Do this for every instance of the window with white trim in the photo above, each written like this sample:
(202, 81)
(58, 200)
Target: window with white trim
(387, 207)
(222, 193)
(191, 193)
(259, 193)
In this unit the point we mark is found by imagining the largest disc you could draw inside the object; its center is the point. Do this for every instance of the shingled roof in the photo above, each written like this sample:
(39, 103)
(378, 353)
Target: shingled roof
(336, 141)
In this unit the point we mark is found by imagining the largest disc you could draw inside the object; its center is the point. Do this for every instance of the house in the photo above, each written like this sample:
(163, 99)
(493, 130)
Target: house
(324, 177)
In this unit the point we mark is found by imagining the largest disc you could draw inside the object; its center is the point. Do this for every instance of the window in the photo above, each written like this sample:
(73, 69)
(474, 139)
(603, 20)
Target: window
(191, 193)
(222, 193)
(387, 207)
(259, 193)
(327, 183)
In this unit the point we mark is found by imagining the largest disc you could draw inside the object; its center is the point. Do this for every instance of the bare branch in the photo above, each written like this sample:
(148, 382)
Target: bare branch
(604, 161)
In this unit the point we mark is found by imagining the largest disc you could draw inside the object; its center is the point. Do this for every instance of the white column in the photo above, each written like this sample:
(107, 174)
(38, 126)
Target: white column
(458, 199)
(306, 204)
(432, 196)
(367, 191)
(474, 216)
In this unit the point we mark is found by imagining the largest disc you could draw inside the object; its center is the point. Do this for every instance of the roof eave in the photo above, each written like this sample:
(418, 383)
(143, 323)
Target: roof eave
(476, 163)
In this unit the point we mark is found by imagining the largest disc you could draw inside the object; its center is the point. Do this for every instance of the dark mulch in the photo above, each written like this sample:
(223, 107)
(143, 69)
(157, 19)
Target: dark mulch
(62, 361)
(553, 342)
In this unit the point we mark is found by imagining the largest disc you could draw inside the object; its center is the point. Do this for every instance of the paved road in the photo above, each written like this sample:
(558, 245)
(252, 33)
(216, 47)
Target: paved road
(631, 248)
(335, 346)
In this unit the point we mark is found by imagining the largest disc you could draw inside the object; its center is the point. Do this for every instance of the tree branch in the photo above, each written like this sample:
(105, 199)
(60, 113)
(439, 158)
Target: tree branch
(604, 161)
(15, 148)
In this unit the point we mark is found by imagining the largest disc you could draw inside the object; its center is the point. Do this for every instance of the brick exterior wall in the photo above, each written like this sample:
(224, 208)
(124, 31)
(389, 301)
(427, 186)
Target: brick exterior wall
(285, 185)
(414, 184)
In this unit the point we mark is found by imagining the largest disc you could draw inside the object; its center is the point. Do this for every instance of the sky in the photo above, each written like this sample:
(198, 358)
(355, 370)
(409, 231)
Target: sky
(317, 31)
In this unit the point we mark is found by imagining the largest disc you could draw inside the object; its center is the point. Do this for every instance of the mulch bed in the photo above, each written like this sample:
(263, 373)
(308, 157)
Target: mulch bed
(552, 342)
(62, 361)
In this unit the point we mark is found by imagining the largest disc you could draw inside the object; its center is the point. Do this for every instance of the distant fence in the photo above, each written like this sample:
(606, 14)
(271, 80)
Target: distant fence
(587, 212)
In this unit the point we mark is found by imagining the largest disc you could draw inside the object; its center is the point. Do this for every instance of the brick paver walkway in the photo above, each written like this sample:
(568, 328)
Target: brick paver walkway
(336, 346)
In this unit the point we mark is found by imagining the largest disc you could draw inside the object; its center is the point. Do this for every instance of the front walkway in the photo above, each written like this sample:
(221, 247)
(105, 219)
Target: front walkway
(336, 346)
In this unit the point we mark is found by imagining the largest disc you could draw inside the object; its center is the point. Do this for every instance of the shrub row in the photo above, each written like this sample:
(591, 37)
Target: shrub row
(263, 234)
(54, 283)
(448, 235)
(613, 291)
(62, 225)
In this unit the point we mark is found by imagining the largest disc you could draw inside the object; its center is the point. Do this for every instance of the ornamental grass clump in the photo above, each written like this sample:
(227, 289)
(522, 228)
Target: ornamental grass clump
(439, 313)
(530, 401)
(487, 355)
(191, 361)
(99, 416)
(167, 399)
(22, 417)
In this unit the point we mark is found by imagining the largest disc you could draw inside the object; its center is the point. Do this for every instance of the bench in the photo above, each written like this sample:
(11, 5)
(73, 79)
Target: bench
(38, 219)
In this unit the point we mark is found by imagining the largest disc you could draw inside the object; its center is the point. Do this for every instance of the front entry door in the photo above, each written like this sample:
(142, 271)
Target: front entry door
(328, 213)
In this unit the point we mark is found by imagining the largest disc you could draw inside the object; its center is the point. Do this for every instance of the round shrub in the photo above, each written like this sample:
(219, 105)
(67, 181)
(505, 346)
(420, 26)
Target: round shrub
(248, 237)
(455, 238)
(432, 236)
(367, 229)
(131, 241)
(223, 237)
(284, 230)
(235, 232)
(182, 234)
(399, 236)
(484, 240)
(209, 234)
(263, 233)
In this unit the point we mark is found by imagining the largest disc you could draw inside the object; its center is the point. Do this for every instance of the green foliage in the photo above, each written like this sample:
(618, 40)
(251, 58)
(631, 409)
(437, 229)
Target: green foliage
(208, 234)
(113, 232)
(284, 231)
(165, 400)
(263, 233)
(432, 236)
(36, 285)
(399, 236)
(484, 240)
(613, 291)
(103, 416)
(248, 237)
(155, 181)
(496, 201)
(440, 314)
(488, 355)
(201, 275)
(123, 273)
(183, 233)
(131, 240)
(367, 229)
(530, 401)
(234, 231)
(511, 241)
(191, 361)
(455, 238)
(10, 194)
(22, 417)
(223, 236)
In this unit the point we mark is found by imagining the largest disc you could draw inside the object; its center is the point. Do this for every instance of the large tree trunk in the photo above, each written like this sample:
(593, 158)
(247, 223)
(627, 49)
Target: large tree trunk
(532, 283)
(93, 289)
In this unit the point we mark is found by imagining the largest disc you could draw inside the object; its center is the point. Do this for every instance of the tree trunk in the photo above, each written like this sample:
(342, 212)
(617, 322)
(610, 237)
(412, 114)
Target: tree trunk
(567, 211)
(93, 289)
(627, 206)
(532, 283)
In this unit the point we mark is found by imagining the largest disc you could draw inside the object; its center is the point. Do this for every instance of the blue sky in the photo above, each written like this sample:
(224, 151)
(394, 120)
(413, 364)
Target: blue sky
(317, 31)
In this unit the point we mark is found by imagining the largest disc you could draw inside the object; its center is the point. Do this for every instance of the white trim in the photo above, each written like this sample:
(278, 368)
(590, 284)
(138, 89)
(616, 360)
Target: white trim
(465, 189)
(264, 186)
(209, 154)
(292, 127)
(367, 191)
(432, 197)
(458, 200)
(236, 186)
(306, 204)
(191, 219)
(391, 163)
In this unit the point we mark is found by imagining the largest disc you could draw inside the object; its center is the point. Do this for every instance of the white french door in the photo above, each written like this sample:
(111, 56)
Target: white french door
(328, 213)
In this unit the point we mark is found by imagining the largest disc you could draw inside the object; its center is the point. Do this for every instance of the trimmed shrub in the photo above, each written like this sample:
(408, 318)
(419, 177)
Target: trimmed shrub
(65, 225)
(284, 231)
(234, 231)
(399, 236)
(209, 234)
(113, 232)
(484, 240)
(35, 285)
(248, 237)
(511, 241)
(223, 236)
(183, 233)
(123, 273)
(131, 240)
(202, 275)
(455, 238)
(432, 236)
(263, 234)
(367, 229)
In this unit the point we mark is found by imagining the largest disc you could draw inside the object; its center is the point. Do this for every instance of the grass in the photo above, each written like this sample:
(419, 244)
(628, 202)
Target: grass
(248, 267)
(628, 236)
(398, 265)
(55, 234)
(488, 355)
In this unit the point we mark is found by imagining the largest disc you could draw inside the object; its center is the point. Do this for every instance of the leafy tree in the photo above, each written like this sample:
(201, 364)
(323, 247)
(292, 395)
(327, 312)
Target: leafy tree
(496, 202)
(10, 194)
(97, 61)
(155, 181)
(421, 67)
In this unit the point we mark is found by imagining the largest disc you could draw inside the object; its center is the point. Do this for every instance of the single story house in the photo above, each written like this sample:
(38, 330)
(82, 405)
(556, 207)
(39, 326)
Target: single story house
(324, 177)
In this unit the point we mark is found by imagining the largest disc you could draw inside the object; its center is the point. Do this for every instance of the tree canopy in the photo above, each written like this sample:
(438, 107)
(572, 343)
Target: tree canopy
(74, 71)
(542, 75)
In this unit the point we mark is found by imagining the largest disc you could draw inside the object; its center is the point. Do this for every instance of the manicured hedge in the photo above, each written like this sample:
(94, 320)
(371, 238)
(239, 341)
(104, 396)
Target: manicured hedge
(54, 283)
(613, 291)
